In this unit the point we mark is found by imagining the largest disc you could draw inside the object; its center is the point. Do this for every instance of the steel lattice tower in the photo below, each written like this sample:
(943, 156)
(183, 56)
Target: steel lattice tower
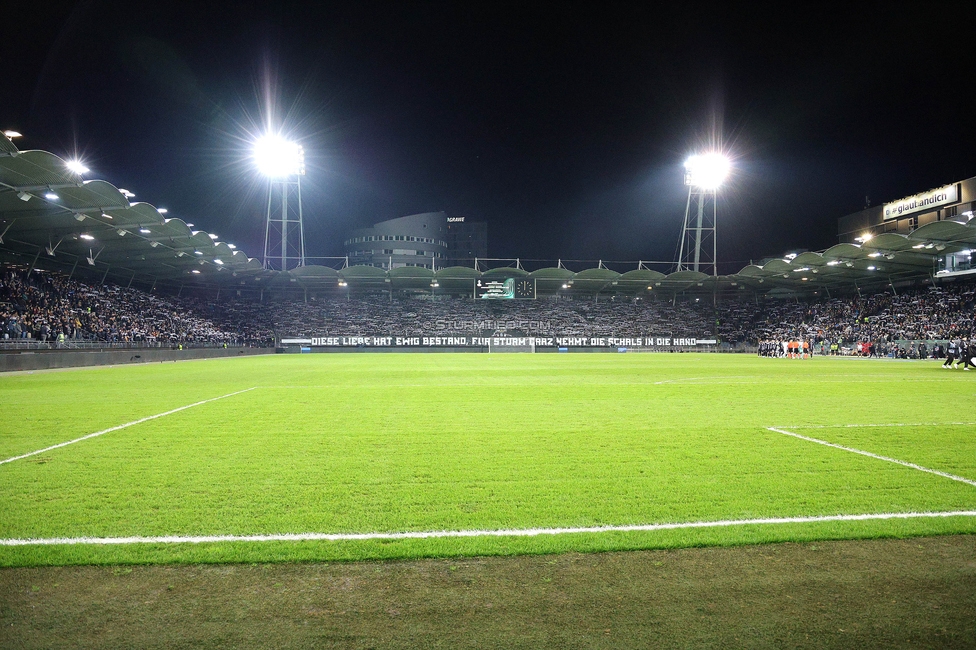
(697, 250)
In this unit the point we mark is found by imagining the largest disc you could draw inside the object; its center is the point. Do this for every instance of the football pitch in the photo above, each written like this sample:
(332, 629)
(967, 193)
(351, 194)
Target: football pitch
(376, 456)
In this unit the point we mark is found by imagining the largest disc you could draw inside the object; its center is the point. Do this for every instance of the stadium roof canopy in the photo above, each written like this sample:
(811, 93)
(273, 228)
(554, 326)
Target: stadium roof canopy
(49, 212)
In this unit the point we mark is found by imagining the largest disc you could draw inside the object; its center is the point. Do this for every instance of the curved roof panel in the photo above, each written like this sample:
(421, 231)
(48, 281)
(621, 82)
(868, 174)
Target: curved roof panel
(504, 272)
(640, 276)
(457, 273)
(599, 274)
(555, 273)
(36, 170)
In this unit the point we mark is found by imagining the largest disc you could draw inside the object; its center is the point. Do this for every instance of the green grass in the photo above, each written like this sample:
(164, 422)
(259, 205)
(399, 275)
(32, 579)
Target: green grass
(336, 443)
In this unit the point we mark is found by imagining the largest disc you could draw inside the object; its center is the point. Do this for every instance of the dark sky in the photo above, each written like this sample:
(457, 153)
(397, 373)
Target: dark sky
(564, 126)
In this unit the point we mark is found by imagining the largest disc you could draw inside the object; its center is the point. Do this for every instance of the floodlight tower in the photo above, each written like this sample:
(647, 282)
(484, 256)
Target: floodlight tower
(704, 173)
(283, 162)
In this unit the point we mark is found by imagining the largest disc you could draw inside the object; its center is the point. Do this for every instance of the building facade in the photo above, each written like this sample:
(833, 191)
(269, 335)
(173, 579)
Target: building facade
(467, 240)
(431, 240)
(955, 201)
(414, 240)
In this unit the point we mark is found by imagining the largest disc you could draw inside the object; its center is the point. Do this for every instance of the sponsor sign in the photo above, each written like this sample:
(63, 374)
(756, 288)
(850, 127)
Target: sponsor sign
(455, 220)
(922, 201)
(501, 340)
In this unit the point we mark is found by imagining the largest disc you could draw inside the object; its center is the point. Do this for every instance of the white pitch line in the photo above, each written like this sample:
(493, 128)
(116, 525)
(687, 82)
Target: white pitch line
(890, 424)
(517, 532)
(869, 454)
(123, 426)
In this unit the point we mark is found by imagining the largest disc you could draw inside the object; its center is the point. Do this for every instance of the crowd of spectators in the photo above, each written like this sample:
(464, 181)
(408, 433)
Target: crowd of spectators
(53, 309)
(458, 316)
(886, 320)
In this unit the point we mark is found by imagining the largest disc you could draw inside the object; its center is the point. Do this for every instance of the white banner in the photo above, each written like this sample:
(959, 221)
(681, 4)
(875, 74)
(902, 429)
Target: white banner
(388, 341)
(922, 201)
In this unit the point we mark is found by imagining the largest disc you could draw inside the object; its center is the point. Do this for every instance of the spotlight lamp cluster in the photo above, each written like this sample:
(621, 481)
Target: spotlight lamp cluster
(277, 157)
(707, 171)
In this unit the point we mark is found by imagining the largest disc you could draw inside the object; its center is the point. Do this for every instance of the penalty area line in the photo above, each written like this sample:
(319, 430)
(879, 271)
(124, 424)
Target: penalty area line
(876, 456)
(124, 426)
(517, 532)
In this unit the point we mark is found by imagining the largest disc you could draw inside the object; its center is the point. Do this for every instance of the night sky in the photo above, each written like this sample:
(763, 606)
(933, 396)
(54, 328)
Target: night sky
(565, 127)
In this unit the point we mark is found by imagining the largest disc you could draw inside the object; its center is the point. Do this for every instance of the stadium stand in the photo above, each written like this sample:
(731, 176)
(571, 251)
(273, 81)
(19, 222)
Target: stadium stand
(41, 308)
(45, 308)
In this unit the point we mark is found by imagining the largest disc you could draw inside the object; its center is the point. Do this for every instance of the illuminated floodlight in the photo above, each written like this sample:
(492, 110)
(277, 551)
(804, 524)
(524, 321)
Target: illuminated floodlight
(707, 171)
(871, 268)
(874, 254)
(12, 134)
(231, 246)
(162, 210)
(212, 236)
(195, 271)
(218, 262)
(87, 237)
(189, 225)
(833, 262)
(145, 231)
(864, 238)
(126, 193)
(76, 166)
(51, 196)
(277, 157)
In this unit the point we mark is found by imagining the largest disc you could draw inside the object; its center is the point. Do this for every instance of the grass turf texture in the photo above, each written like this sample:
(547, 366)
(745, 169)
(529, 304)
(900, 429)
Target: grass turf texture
(365, 443)
(892, 593)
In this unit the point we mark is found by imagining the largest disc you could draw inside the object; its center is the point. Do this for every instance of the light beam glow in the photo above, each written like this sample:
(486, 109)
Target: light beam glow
(77, 167)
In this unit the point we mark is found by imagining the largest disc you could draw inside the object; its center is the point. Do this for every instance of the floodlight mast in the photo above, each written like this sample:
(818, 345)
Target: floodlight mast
(704, 174)
(283, 162)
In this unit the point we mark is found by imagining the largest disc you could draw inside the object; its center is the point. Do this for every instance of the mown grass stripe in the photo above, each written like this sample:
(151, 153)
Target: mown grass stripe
(877, 456)
(123, 426)
(525, 532)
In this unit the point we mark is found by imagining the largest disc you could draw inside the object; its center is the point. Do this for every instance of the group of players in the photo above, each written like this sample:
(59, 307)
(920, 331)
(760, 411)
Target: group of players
(785, 349)
(960, 351)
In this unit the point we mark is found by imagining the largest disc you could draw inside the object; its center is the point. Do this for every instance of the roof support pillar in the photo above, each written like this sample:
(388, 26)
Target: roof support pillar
(70, 275)
(131, 279)
(9, 225)
(105, 275)
(34, 263)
